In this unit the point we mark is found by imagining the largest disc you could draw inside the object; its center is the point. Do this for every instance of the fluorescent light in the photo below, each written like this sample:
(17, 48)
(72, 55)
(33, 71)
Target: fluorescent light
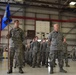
(18, 0)
(72, 3)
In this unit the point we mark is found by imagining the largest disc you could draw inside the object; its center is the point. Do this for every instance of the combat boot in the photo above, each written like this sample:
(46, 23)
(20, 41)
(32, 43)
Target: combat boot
(30, 64)
(46, 66)
(62, 70)
(67, 65)
(15, 66)
(55, 63)
(51, 70)
(33, 66)
(20, 70)
(38, 66)
(10, 70)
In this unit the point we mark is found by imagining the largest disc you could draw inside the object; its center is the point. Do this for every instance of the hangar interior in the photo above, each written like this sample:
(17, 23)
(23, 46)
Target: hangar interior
(36, 18)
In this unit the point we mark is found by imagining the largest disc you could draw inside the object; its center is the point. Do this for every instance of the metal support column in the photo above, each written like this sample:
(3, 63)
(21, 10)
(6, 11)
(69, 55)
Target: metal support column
(50, 23)
(35, 24)
(60, 18)
(0, 31)
(59, 15)
(24, 22)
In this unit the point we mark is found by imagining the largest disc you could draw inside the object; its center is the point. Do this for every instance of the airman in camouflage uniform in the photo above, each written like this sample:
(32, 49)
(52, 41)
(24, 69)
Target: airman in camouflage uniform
(43, 47)
(47, 52)
(35, 53)
(73, 53)
(17, 36)
(56, 39)
(30, 54)
(65, 52)
(27, 53)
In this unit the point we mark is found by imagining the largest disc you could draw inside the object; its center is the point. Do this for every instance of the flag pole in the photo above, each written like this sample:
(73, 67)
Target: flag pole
(8, 52)
(0, 31)
(8, 49)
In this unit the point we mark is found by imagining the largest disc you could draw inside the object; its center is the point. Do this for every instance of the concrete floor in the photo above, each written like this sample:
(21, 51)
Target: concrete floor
(38, 71)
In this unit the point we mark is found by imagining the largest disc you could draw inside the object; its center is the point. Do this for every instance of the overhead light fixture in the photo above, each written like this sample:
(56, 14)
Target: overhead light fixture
(19, 0)
(72, 3)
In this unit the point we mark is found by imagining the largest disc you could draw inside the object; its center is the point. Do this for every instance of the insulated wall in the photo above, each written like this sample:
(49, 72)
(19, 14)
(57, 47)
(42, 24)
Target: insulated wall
(42, 29)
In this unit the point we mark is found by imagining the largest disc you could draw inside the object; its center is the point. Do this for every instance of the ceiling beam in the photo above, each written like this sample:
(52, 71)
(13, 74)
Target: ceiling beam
(28, 4)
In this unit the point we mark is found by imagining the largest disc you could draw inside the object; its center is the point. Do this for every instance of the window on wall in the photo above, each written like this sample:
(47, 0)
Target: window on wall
(30, 34)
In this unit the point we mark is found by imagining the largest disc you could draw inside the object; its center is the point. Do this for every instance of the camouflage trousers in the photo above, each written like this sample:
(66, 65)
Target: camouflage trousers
(43, 58)
(56, 54)
(46, 60)
(36, 59)
(19, 55)
(30, 58)
(65, 55)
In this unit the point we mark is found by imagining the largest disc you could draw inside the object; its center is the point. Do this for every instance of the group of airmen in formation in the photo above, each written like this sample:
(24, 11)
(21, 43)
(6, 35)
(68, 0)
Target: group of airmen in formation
(36, 53)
